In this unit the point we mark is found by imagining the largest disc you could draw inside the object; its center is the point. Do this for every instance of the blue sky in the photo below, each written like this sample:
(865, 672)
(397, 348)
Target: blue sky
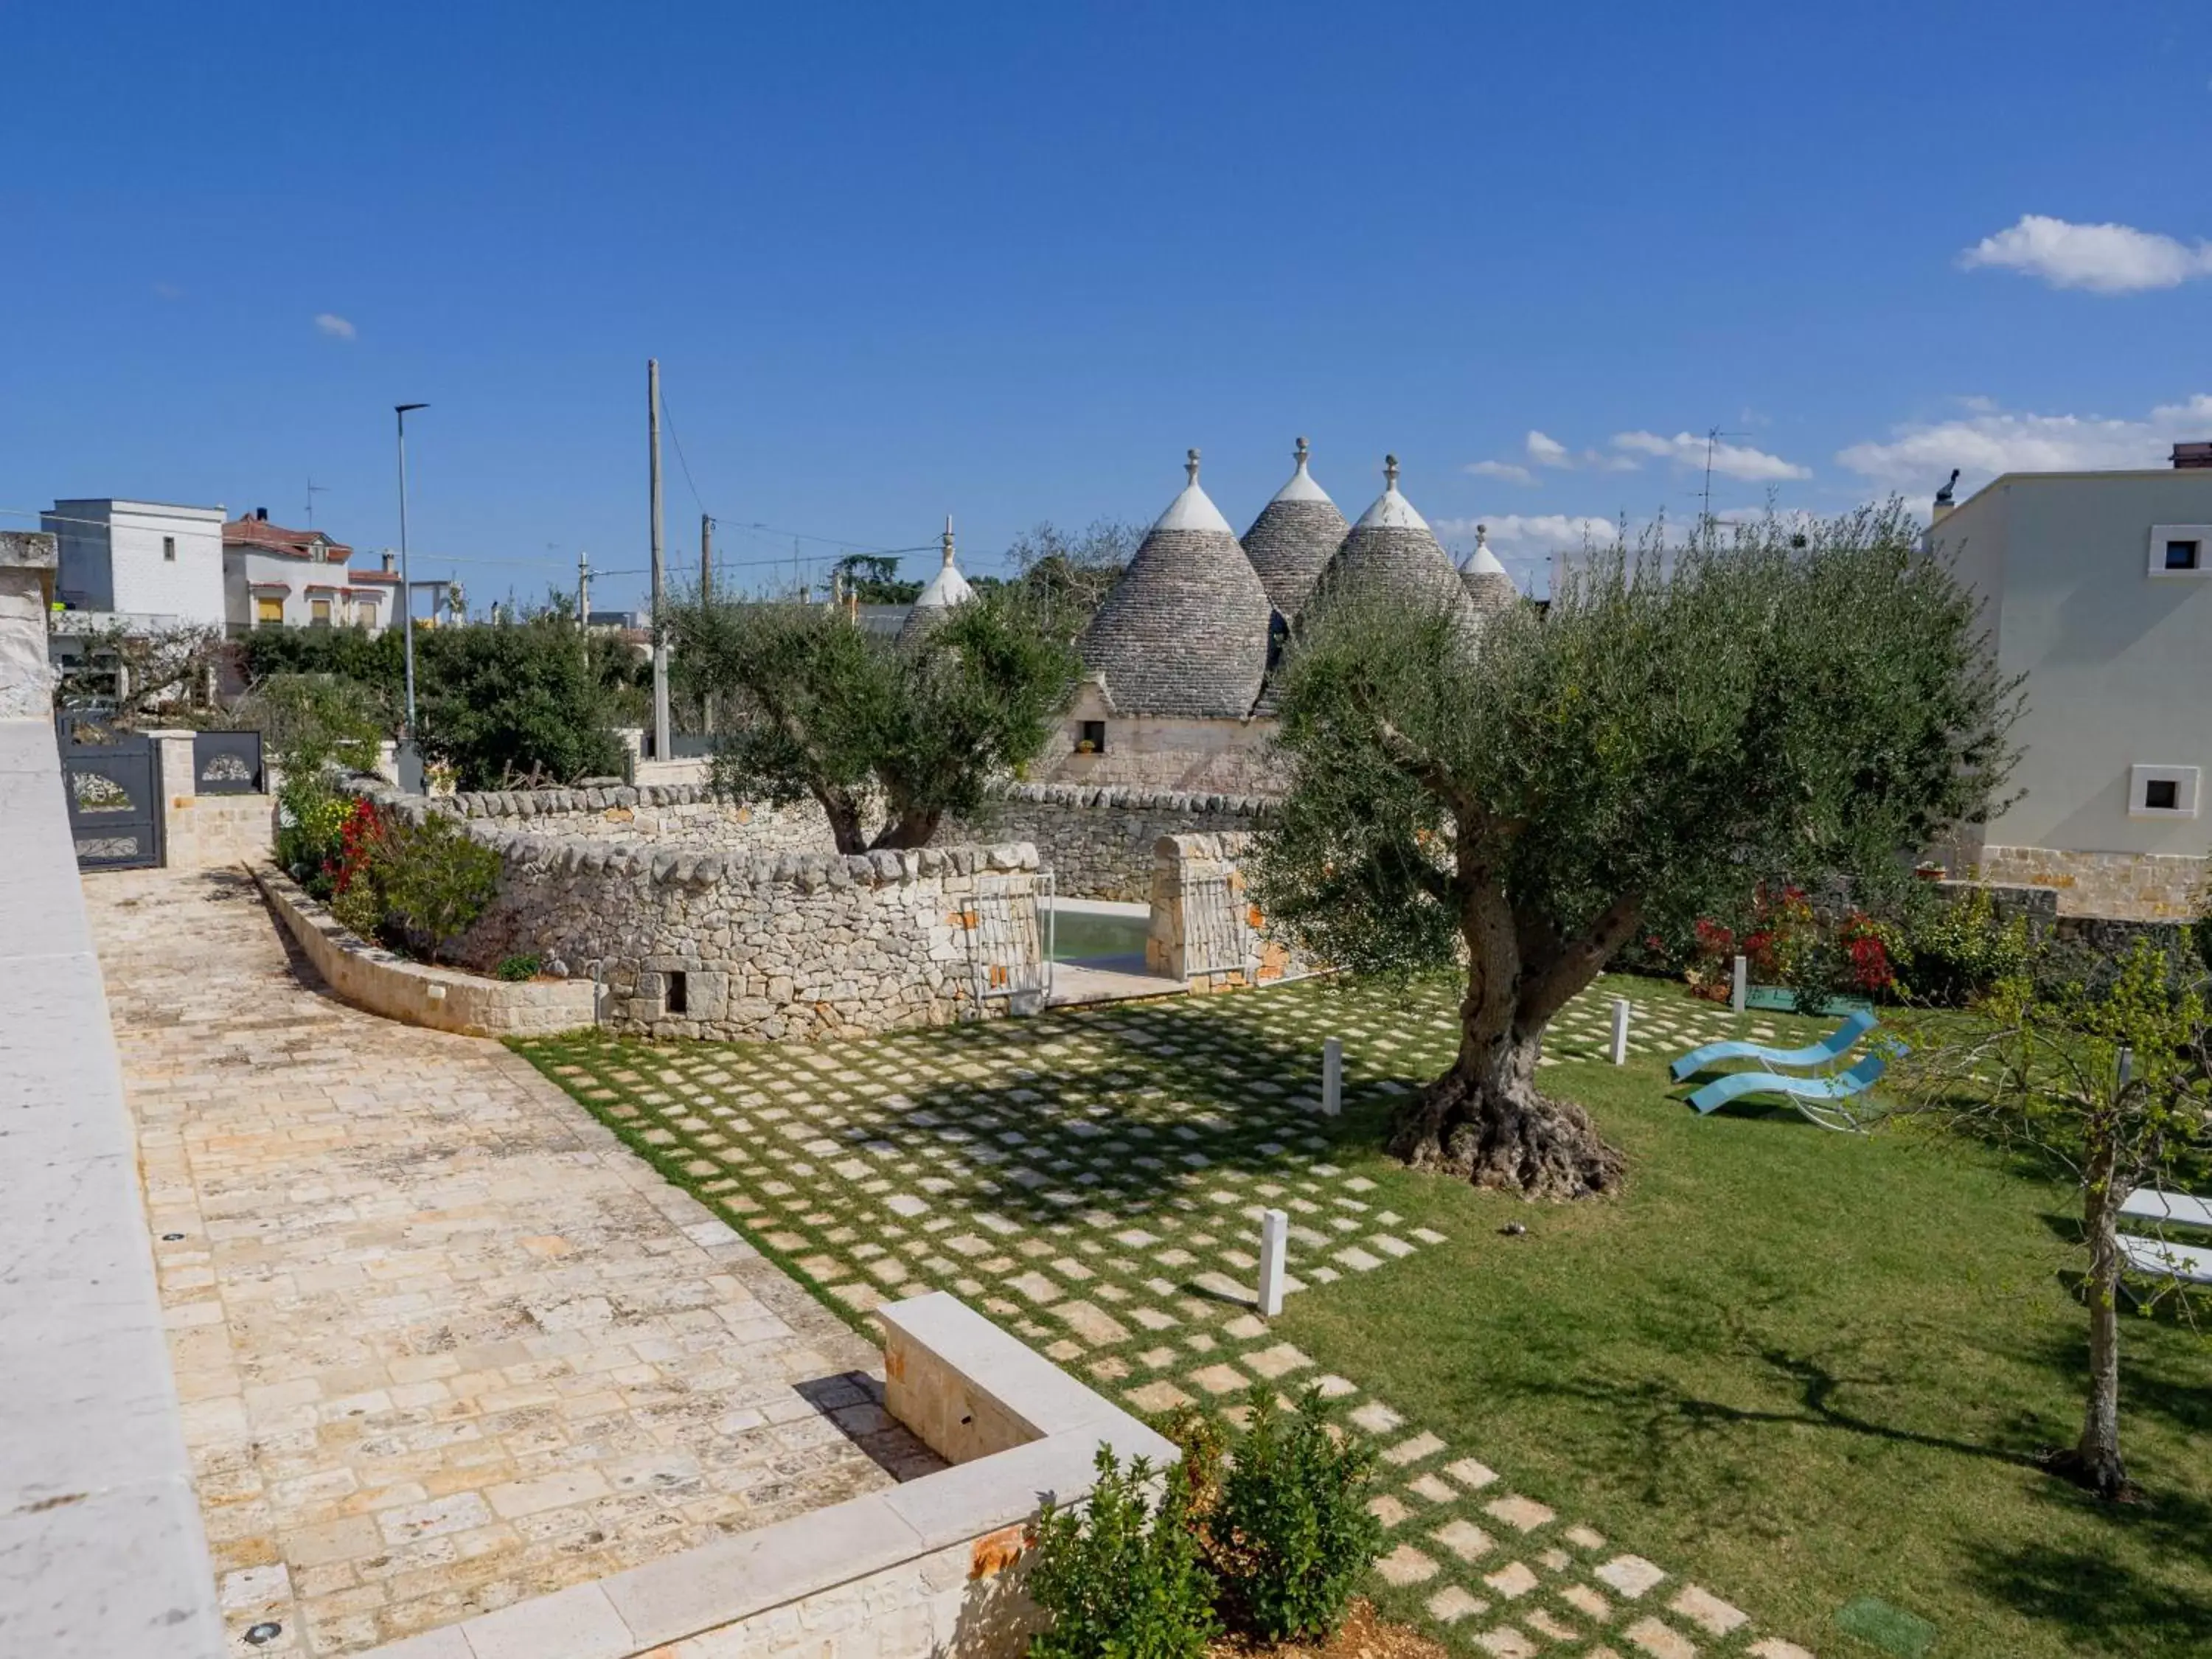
(1010, 262)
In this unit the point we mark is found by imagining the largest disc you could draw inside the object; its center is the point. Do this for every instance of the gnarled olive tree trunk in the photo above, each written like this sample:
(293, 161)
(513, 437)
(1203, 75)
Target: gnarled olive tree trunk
(1485, 1120)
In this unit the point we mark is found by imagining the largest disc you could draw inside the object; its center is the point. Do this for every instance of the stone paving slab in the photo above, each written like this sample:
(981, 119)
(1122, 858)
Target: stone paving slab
(442, 1344)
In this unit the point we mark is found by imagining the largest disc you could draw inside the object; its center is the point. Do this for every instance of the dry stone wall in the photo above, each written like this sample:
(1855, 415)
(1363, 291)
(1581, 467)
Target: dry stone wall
(1098, 842)
(691, 938)
(1206, 930)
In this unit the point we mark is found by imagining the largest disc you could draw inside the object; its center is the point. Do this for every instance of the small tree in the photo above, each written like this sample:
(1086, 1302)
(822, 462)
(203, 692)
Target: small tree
(508, 704)
(143, 671)
(1066, 577)
(915, 729)
(2112, 1087)
(1674, 730)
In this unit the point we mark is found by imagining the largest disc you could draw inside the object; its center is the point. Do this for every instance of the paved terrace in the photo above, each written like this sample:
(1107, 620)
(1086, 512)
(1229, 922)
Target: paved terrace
(442, 1343)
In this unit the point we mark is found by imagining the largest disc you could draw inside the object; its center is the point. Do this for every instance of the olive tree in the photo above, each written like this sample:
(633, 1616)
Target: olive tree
(1519, 797)
(2112, 1087)
(911, 730)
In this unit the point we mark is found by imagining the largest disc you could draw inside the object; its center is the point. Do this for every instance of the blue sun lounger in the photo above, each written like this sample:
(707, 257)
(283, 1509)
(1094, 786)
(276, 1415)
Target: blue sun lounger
(1819, 1098)
(1830, 1047)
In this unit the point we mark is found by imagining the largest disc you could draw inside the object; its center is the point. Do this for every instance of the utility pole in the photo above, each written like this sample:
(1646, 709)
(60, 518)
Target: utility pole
(660, 745)
(406, 576)
(705, 557)
(583, 590)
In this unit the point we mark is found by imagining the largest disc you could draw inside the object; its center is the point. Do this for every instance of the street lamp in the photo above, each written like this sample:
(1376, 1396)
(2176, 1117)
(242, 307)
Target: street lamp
(406, 578)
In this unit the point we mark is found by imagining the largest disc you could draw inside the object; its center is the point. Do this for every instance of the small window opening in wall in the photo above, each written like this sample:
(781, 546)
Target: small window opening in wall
(2162, 795)
(2183, 555)
(1091, 738)
(677, 999)
(169, 549)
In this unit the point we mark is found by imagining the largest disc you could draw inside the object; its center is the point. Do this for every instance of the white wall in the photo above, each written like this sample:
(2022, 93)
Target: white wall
(2119, 661)
(243, 567)
(116, 562)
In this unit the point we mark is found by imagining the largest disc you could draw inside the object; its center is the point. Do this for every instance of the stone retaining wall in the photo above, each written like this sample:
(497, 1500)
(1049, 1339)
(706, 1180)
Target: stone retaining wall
(2112, 886)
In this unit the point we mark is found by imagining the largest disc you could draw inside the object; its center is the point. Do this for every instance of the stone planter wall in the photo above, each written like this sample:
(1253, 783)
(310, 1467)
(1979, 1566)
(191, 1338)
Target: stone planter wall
(444, 998)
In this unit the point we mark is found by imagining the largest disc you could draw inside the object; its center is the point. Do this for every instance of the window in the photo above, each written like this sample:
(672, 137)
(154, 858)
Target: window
(1091, 738)
(2179, 550)
(318, 613)
(267, 608)
(169, 549)
(676, 994)
(2162, 792)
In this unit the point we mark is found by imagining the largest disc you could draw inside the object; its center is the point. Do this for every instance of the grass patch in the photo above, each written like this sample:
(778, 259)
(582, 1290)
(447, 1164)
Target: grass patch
(1805, 1369)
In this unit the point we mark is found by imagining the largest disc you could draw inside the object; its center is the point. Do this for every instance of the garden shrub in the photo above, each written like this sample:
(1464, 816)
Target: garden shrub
(415, 886)
(1120, 1578)
(1957, 945)
(519, 968)
(1292, 1536)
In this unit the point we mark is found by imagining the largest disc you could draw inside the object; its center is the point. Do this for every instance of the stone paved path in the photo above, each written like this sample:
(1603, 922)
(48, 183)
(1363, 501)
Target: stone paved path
(443, 1344)
(1093, 1181)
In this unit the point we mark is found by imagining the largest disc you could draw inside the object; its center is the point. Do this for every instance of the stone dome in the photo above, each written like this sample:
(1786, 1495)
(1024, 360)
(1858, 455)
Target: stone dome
(1485, 579)
(1185, 630)
(1392, 551)
(947, 588)
(1292, 540)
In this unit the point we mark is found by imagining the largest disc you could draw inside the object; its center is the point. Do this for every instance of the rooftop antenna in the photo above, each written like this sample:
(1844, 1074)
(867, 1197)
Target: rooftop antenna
(313, 491)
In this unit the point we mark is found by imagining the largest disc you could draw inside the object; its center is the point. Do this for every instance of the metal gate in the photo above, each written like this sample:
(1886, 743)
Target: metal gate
(1217, 931)
(1006, 955)
(113, 781)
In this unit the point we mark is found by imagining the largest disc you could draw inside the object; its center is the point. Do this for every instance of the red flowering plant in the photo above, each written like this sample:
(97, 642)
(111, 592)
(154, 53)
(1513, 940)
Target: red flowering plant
(364, 848)
(1787, 942)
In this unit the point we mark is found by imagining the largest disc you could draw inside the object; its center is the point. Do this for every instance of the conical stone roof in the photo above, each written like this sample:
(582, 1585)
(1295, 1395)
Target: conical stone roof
(1291, 541)
(947, 588)
(1392, 551)
(1184, 632)
(1485, 579)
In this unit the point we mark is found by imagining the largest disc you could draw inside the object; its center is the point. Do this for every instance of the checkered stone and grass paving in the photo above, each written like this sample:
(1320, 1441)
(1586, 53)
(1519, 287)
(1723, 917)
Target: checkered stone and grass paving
(1093, 1181)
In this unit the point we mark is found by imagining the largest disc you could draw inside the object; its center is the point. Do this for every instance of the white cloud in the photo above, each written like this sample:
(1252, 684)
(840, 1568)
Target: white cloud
(1505, 470)
(1987, 441)
(1548, 452)
(1526, 538)
(334, 325)
(2103, 259)
(1729, 460)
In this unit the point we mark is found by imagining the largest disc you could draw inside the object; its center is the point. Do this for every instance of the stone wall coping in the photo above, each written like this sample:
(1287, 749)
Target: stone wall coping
(739, 1578)
(30, 549)
(538, 802)
(808, 872)
(443, 999)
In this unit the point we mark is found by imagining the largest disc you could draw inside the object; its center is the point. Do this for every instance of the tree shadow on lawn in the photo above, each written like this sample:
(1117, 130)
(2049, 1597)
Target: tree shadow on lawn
(2094, 1592)
(1099, 1137)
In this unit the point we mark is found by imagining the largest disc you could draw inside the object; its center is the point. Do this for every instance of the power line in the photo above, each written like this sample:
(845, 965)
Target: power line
(669, 416)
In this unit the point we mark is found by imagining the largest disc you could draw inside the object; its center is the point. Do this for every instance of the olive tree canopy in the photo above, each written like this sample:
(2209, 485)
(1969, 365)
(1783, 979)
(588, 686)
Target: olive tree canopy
(913, 730)
(1676, 726)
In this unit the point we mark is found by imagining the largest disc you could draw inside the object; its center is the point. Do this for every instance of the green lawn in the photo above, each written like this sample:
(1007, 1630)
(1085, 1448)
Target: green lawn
(1800, 1368)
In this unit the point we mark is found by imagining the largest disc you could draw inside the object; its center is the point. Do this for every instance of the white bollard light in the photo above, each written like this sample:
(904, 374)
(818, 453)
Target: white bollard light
(1332, 1076)
(1621, 1030)
(1741, 989)
(1275, 1241)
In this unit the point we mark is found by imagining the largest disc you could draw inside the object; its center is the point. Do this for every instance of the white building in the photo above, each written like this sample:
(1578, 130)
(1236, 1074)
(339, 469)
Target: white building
(2098, 588)
(144, 564)
(274, 577)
